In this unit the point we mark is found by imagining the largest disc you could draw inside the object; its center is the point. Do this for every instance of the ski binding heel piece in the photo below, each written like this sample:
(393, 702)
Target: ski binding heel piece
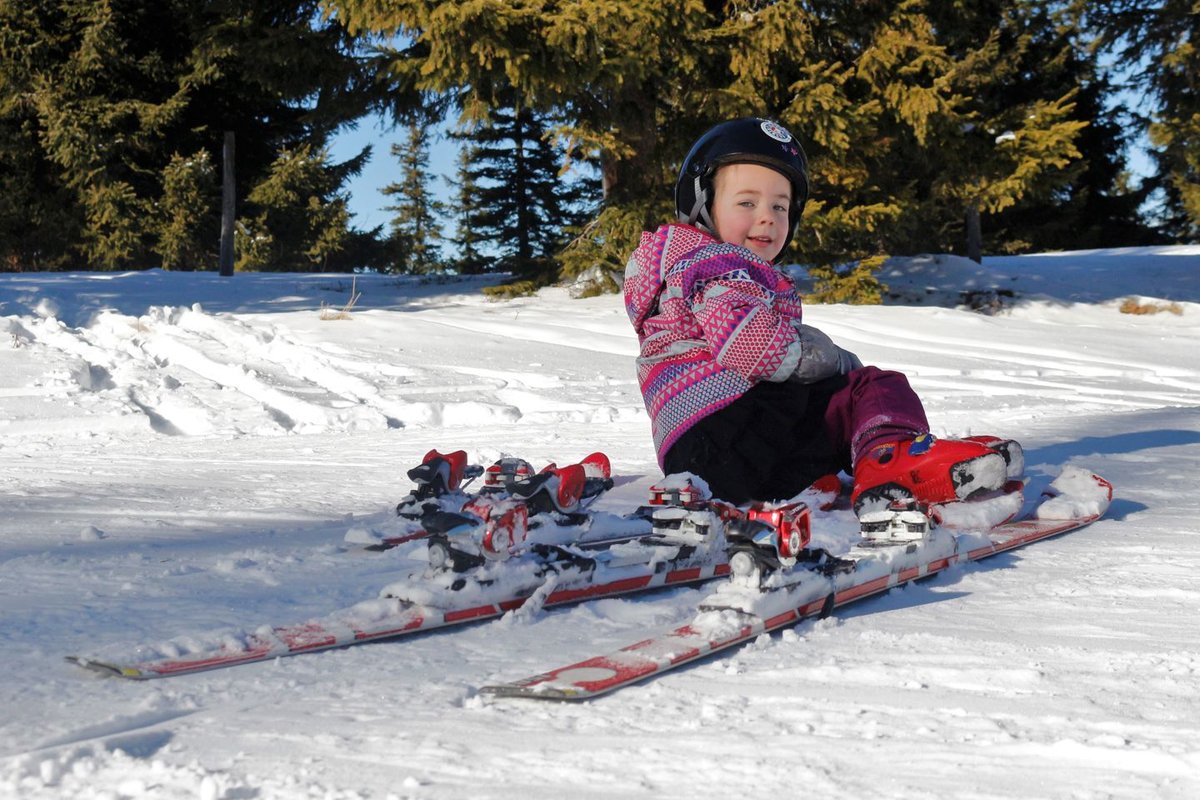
(762, 539)
(505, 473)
(903, 522)
(438, 475)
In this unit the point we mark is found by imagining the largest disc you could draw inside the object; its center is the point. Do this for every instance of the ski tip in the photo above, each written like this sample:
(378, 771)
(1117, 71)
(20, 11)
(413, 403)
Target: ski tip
(511, 691)
(107, 669)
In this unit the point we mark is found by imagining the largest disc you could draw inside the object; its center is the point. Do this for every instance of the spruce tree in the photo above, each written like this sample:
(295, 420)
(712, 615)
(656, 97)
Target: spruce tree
(523, 204)
(186, 231)
(615, 70)
(1016, 134)
(1092, 202)
(297, 217)
(889, 100)
(40, 219)
(1160, 44)
(416, 228)
(939, 124)
(98, 92)
(468, 258)
(96, 98)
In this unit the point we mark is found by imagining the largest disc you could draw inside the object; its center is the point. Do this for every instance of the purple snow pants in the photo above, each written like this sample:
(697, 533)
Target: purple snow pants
(776, 439)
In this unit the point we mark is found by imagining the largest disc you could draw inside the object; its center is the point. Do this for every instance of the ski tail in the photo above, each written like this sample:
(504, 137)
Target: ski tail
(596, 465)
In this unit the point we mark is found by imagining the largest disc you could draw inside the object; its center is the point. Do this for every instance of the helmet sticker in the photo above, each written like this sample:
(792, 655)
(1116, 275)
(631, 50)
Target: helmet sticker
(775, 131)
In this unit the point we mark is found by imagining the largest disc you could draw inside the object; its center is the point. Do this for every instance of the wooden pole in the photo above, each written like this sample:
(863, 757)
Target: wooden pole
(228, 207)
(974, 235)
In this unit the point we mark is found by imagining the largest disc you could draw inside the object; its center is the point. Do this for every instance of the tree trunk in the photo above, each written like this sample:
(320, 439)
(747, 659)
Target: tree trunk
(974, 235)
(634, 180)
(228, 207)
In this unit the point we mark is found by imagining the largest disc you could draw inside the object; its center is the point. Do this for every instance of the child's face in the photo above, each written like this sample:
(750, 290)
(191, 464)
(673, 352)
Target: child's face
(750, 207)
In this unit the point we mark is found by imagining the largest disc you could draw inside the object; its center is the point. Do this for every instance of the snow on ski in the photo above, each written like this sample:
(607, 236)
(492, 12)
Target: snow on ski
(737, 612)
(468, 582)
(372, 620)
(678, 541)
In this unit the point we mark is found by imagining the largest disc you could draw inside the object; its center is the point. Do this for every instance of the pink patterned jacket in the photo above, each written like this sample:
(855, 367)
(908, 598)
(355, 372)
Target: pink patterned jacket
(713, 319)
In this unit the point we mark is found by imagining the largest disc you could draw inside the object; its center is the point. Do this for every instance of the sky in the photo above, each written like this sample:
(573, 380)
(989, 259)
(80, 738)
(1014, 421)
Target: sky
(368, 204)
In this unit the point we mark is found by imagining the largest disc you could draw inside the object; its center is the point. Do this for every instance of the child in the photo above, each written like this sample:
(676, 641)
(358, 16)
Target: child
(739, 390)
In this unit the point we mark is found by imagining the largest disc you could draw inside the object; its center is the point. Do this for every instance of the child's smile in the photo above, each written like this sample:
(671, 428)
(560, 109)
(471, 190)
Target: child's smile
(750, 208)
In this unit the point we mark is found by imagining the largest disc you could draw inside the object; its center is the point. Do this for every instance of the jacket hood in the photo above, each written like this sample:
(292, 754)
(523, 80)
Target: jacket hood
(656, 253)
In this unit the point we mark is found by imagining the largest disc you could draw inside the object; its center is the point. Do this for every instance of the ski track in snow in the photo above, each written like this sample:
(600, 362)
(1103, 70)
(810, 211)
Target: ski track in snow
(186, 372)
(168, 470)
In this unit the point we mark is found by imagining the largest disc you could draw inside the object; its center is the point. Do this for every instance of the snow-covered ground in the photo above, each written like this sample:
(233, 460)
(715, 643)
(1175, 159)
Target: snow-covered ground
(184, 453)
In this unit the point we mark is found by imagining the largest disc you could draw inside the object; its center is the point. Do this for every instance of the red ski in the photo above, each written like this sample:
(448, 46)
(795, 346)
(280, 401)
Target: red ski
(672, 546)
(371, 620)
(737, 612)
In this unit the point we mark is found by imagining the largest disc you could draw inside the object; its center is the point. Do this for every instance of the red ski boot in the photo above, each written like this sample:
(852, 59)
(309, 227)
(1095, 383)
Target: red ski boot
(1014, 455)
(926, 469)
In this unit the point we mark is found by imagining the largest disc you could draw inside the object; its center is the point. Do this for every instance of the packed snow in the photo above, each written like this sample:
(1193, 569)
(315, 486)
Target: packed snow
(183, 455)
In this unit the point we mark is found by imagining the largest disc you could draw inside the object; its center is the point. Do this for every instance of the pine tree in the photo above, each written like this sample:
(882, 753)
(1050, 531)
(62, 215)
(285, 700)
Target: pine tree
(1160, 41)
(469, 257)
(298, 219)
(415, 229)
(613, 68)
(524, 205)
(97, 97)
(187, 221)
(917, 116)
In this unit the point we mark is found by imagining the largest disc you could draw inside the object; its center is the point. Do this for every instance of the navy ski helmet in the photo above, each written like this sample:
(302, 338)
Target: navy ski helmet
(741, 141)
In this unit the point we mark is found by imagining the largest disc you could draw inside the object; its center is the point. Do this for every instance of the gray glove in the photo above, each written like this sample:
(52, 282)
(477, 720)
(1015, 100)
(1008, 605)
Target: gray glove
(820, 358)
(848, 361)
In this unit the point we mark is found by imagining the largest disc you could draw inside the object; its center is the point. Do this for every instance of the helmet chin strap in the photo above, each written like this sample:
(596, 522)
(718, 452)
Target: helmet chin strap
(699, 213)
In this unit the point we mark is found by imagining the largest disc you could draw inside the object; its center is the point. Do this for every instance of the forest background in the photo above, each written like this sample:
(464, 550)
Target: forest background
(960, 127)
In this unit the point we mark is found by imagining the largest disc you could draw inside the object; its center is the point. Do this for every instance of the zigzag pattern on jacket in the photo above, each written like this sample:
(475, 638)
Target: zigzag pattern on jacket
(713, 319)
